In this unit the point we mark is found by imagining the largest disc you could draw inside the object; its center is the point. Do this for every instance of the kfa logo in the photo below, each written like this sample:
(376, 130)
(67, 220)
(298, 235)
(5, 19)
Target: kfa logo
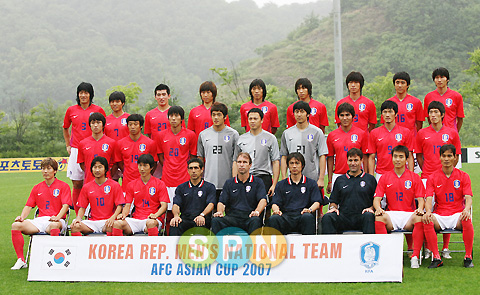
(151, 191)
(448, 102)
(107, 189)
(409, 107)
(226, 138)
(398, 137)
(310, 137)
(59, 258)
(369, 254)
(362, 183)
(303, 189)
(265, 109)
(313, 111)
(56, 192)
(456, 184)
(200, 194)
(123, 121)
(248, 188)
(105, 147)
(354, 138)
(183, 140)
(263, 142)
(362, 107)
(445, 137)
(142, 147)
(408, 184)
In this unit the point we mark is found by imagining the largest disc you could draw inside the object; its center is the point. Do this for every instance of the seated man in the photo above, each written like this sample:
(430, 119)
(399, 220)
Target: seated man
(105, 198)
(351, 201)
(452, 190)
(244, 197)
(295, 200)
(194, 200)
(150, 197)
(53, 198)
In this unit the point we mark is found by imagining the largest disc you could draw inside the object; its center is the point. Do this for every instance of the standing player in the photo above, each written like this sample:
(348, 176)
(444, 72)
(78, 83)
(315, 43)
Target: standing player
(318, 116)
(366, 113)
(194, 199)
(216, 146)
(341, 140)
(258, 92)
(116, 127)
(77, 117)
(452, 100)
(200, 117)
(149, 196)
(452, 190)
(131, 147)
(105, 198)
(52, 197)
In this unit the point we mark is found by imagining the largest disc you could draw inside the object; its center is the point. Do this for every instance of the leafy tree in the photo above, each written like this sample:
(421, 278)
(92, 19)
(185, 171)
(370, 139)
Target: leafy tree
(131, 91)
(379, 90)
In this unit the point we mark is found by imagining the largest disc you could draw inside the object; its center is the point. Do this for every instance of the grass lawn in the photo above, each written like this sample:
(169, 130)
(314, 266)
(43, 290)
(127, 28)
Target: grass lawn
(452, 278)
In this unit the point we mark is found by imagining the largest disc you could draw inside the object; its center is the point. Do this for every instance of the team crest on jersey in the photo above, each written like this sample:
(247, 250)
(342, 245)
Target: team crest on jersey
(248, 188)
(408, 184)
(264, 109)
(226, 138)
(362, 183)
(313, 111)
(398, 137)
(200, 194)
(105, 147)
(263, 142)
(445, 137)
(362, 107)
(56, 192)
(123, 121)
(310, 137)
(151, 191)
(409, 107)
(303, 189)
(456, 184)
(448, 102)
(107, 189)
(142, 147)
(354, 138)
(183, 140)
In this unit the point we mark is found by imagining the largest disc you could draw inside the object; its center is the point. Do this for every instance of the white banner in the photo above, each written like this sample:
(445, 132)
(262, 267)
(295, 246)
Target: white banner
(322, 258)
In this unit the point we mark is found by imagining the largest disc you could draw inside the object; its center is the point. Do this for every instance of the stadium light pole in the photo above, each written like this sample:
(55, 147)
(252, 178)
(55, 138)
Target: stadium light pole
(337, 40)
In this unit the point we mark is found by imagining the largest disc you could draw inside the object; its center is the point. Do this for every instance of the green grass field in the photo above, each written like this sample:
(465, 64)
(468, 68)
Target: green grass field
(452, 278)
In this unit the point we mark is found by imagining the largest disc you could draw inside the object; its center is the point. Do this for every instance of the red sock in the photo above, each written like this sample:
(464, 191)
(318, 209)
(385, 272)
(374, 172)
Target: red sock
(17, 241)
(380, 228)
(117, 232)
(109, 233)
(75, 195)
(446, 240)
(417, 238)
(153, 231)
(409, 239)
(77, 234)
(467, 234)
(55, 232)
(431, 237)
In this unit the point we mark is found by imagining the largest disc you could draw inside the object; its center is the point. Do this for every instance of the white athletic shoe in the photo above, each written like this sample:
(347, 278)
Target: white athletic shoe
(428, 253)
(414, 262)
(19, 264)
(446, 253)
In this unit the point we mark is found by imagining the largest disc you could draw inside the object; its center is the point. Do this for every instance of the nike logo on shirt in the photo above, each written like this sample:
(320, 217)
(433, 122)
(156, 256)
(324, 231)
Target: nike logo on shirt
(197, 116)
(87, 148)
(345, 186)
(136, 192)
(234, 190)
(439, 186)
(389, 185)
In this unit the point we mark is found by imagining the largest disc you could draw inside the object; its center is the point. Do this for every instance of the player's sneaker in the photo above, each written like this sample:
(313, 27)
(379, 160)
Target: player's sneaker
(414, 262)
(436, 263)
(468, 263)
(21, 264)
(428, 253)
(446, 253)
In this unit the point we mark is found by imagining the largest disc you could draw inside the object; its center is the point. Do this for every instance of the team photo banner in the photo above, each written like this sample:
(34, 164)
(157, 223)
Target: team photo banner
(28, 164)
(209, 258)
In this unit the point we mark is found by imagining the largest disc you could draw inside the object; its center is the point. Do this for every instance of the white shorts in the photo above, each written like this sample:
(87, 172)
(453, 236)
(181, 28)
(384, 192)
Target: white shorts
(43, 222)
(399, 218)
(74, 172)
(139, 225)
(171, 194)
(447, 222)
(96, 225)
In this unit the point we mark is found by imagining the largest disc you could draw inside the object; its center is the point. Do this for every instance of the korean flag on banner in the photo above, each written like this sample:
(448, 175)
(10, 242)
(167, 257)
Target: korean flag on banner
(59, 257)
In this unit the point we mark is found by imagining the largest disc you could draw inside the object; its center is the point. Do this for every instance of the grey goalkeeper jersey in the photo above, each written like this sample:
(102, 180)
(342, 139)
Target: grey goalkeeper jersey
(263, 149)
(217, 148)
(310, 142)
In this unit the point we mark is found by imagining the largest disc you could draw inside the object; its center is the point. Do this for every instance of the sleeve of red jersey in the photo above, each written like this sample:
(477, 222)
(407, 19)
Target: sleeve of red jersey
(243, 115)
(331, 149)
(66, 196)
(467, 185)
(460, 111)
(163, 193)
(365, 139)
(410, 142)
(274, 122)
(66, 120)
(129, 193)
(418, 186)
(31, 201)
(193, 144)
(323, 115)
(113, 145)
(82, 199)
(372, 148)
(80, 156)
(119, 197)
(147, 128)
(457, 143)
(290, 117)
(118, 153)
(191, 121)
(419, 143)
(153, 150)
(158, 142)
(380, 190)
(101, 111)
(426, 102)
(420, 115)
(373, 113)
(337, 120)
(227, 121)
(430, 190)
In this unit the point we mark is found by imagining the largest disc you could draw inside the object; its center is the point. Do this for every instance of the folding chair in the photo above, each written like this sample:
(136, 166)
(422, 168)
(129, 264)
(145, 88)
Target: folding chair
(455, 231)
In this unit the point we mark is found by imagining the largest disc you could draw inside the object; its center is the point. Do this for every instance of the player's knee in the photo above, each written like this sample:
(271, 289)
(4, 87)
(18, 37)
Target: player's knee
(151, 223)
(17, 225)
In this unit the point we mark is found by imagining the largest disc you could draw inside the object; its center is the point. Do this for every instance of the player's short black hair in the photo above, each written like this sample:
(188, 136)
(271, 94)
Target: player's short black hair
(346, 107)
(297, 156)
(96, 117)
(355, 77)
(401, 76)
(196, 160)
(146, 159)
(85, 86)
(208, 86)
(302, 105)
(437, 105)
(116, 95)
(442, 72)
(256, 110)
(305, 83)
(448, 147)
(219, 107)
(245, 155)
(102, 161)
(355, 152)
(401, 149)
(389, 105)
(258, 82)
(49, 162)
(178, 110)
(136, 117)
(161, 87)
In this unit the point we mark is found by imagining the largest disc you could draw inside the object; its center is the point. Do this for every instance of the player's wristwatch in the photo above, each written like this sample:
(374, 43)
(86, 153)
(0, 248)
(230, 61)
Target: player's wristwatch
(201, 214)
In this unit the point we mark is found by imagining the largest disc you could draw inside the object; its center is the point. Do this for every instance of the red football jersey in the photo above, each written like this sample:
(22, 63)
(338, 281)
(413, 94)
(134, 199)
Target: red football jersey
(78, 118)
(200, 119)
(449, 192)
(103, 199)
(365, 112)
(402, 191)
(318, 114)
(156, 121)
(116, 128)
(453, 103)
(49, 199)
(270, 115)
(339, 142)
(89, 148)
(410, 110)
(146, 197)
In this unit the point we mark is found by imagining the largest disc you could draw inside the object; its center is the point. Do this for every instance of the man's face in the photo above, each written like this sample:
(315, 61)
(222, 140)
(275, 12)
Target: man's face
(300, 115)
(346, 119)
(116, 105)
(162, 97)
(207, 96)
(399, 159)
(448, 159)
(96, 126)
(144, 169)
(48, 172)
(354, 87)
(401, 86)
(175, 120)
(218, 118)
(441, 81)
(302, 93)
(257, 93)
(254, 121)
(84, 97)
(98, 170)
(243, 165)
(435, 116)
(295, 166)
(194, 171)
(389, 115)
(354, 163)
(134, 127)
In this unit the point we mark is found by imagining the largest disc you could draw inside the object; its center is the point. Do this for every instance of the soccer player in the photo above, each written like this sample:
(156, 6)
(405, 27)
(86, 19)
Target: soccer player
(77, 117)
(149, 196)
(194, 200)
(105, 198)
(452, 190)
(258, 92)
(116, 127)
(243, 197)
(216, 146)
(53, 199)
(365, 111)
(295, 200)
(318, 115)
(342, 139)
(96, 145)
(308, 140)
(452, 100)
(401, 188)
(131, 147)
(351, 201)
(200, 118)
